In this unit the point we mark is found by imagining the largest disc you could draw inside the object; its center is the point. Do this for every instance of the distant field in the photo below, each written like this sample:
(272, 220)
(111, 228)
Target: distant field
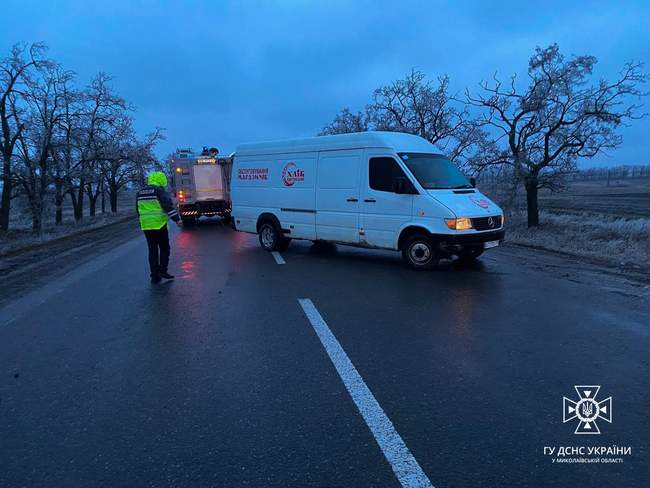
(608, 224)
(624, 198)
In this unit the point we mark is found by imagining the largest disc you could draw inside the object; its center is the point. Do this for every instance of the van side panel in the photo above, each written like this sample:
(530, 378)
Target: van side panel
(250, 182)
(282, 185)
(295, 190)
(337, 196)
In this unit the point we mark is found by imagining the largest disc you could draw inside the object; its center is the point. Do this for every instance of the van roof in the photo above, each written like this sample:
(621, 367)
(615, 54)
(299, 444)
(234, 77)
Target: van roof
(397, 141)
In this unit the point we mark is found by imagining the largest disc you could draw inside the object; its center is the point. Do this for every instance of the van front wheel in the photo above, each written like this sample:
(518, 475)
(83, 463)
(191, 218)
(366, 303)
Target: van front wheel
(419, 252)
(269, 236)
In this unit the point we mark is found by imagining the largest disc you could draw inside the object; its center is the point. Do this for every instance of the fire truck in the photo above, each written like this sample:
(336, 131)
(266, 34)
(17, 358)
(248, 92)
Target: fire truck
(201, 184)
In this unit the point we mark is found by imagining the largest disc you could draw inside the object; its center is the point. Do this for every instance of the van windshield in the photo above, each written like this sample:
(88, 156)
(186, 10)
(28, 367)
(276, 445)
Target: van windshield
(434, 171)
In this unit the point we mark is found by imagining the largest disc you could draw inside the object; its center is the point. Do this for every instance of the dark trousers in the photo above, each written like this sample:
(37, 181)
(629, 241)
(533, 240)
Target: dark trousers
(158, 242)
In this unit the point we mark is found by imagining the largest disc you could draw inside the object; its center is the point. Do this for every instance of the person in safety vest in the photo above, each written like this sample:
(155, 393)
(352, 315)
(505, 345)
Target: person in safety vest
(154, 207)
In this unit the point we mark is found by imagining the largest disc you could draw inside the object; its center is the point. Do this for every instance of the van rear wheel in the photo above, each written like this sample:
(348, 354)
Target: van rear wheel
(420, 252)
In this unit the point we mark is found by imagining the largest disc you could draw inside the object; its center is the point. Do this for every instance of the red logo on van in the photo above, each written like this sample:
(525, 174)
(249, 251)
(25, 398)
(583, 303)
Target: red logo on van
(291, 174)
(481, 202)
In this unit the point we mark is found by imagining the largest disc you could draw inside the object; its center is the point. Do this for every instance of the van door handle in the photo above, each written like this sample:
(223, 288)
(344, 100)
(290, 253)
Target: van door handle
(370, 200)
(353, 200)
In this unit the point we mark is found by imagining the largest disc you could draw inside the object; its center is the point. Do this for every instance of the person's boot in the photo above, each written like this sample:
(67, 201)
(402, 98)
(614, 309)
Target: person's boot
(155, 275)
(166, 275)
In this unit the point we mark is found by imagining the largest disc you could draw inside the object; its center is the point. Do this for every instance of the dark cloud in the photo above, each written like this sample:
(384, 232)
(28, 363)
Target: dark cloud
(221, 73)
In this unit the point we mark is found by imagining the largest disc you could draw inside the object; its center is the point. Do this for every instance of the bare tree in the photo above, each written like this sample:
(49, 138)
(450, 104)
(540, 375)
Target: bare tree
(418, 106)
(14, 70)
(558, 118)
(64, 148)
(345, 122)
(413, 104)
(128, 159)
(59, 141)
(43, 98)
(103, 110)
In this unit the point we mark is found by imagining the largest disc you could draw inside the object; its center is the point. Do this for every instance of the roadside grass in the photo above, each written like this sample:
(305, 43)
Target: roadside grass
(21, 237)
(606, 239)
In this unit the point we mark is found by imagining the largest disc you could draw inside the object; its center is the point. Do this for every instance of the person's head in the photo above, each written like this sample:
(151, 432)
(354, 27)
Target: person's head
(157, 178)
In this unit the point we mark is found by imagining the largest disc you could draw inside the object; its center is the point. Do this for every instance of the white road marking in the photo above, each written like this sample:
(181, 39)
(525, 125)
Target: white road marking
(278, 258)
(406, 468)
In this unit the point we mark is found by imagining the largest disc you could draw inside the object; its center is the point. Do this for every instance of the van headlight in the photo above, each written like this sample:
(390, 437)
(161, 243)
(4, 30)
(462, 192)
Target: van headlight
(462, 223)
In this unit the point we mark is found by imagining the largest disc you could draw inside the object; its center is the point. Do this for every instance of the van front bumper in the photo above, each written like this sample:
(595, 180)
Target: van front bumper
(454, 243)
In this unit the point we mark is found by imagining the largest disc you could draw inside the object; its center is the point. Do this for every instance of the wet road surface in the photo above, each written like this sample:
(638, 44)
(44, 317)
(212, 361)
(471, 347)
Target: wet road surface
(221, 378)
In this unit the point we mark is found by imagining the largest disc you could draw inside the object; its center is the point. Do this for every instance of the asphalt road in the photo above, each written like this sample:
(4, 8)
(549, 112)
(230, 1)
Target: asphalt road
(221, 379)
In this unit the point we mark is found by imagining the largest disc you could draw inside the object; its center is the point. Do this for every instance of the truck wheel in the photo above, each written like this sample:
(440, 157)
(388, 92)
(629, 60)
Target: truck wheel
(420, 252)
(227, 218)
(469, 255)
(269, 236)
(188, 222)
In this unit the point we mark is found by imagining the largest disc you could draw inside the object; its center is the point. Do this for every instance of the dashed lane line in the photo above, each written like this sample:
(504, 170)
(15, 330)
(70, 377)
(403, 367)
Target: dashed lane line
(406, 468)
(278, 257)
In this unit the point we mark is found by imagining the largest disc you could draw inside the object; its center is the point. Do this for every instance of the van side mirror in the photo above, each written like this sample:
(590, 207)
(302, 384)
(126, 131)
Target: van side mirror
(472, 181)
(399, 185)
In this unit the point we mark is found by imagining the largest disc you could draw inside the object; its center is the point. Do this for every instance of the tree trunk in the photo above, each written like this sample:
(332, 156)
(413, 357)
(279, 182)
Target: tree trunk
(531, 200)
(78, 202)
(103, 198)
(58, 201)
(77, 205)
(37, 216)
(93, 196)
(92, 200)
(113, 195)
(5, 205)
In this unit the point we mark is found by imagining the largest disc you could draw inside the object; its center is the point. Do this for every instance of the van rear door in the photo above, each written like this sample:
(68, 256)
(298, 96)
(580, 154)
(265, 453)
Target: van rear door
(338, 195)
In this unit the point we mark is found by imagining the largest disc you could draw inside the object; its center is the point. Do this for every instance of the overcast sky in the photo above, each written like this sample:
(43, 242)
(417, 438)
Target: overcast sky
(220, 73)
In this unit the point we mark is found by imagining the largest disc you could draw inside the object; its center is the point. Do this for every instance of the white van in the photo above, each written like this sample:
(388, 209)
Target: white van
(386, 190)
